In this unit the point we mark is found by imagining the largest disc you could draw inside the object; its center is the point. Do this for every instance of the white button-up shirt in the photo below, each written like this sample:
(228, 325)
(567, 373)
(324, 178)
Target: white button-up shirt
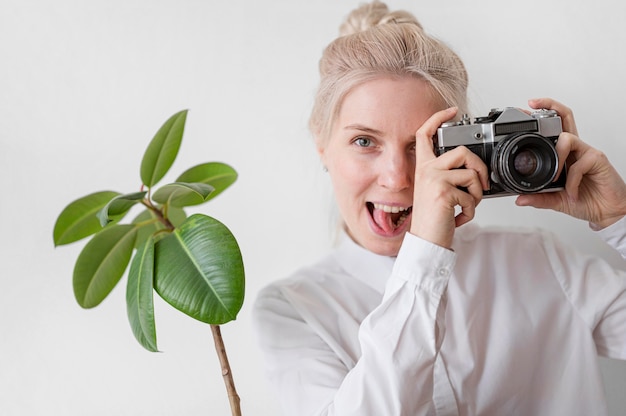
(509, 323)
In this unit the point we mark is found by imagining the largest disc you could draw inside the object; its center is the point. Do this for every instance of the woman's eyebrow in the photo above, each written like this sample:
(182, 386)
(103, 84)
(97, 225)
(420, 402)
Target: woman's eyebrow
(362, 128)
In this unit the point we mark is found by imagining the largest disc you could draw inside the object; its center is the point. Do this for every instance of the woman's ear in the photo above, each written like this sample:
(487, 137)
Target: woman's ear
(319, 146)
(320, 150)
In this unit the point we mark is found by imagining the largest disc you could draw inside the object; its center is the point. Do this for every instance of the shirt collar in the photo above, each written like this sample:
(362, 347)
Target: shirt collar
(370, 268)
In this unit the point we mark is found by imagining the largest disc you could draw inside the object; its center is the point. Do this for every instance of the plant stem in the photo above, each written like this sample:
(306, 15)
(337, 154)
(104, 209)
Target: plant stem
(159, 214)
(233, 397)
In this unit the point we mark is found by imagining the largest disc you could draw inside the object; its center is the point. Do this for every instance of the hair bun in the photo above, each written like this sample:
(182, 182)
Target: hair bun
(372, 14)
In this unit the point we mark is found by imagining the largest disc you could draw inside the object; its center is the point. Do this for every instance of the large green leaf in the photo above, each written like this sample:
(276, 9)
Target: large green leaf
(118, 207)
(148, 224)
(163, 149)
(79, 219)
(102, 262)
(199, 270)
(219, 175)
(139, 296)
(182, 194)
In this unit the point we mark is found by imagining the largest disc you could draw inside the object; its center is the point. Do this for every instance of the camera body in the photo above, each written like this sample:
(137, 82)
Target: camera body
(518, 149)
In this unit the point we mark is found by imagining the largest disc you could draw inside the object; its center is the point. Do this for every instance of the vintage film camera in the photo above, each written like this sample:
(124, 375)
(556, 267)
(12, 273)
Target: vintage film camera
(518, 149)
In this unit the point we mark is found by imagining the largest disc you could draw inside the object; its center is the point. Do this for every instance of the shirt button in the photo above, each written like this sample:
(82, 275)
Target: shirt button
(442, 272)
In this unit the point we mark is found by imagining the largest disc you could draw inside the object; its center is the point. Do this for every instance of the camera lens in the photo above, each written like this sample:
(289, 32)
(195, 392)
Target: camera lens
(524, 163)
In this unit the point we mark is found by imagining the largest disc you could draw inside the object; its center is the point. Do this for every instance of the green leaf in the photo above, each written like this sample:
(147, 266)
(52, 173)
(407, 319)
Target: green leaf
(149, 224)
(118, 207)
(199, 270)
(163, 149)
(181, 194)
(102, 262)
(139, 296)
(219, 175)
(78, 220)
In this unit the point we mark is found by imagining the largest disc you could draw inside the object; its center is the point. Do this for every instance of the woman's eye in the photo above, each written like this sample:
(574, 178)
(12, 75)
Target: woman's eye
(363, 142)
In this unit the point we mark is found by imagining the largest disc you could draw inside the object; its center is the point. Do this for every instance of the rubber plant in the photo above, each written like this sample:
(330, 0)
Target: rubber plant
(193, 262)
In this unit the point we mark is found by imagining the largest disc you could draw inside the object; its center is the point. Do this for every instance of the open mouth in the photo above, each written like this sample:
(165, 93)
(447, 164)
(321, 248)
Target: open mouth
(387, 218)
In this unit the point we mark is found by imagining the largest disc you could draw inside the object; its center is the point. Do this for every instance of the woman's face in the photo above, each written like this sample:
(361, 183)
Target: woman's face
(370, 157)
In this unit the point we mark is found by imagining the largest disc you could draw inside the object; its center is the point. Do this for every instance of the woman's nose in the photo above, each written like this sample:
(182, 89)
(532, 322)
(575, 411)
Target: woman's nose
(396, 171)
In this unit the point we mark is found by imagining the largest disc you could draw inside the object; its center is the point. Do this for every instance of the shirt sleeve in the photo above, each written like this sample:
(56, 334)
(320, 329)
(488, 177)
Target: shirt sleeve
(615, 236)
(596, 289)
(399, 341)
(610, 331)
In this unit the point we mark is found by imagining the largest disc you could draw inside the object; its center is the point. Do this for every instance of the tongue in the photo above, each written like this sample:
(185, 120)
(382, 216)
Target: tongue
(384, 221)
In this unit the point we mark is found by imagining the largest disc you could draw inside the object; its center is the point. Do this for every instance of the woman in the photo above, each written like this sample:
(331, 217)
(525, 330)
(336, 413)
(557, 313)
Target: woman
(412, 314)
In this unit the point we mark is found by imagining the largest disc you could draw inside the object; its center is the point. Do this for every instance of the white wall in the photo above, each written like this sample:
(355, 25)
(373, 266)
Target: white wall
(85, 84)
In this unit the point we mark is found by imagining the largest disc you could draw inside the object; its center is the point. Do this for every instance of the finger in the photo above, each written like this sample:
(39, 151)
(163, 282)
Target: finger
(571, 149)
(468, 208)
(462, 157)
(424, 148)
(469, 180)
(566, 114)
(587, 163)
(564, 147)
(545, 200)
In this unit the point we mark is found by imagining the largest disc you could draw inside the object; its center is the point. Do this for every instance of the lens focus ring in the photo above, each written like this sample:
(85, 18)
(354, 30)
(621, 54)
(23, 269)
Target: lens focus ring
(524, 163)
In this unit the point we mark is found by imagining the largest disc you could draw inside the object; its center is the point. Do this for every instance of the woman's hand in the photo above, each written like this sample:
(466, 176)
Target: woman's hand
(437, 181)
(594, 191)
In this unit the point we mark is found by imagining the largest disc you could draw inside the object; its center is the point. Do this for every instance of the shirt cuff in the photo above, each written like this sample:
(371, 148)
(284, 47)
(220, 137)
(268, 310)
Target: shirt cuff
(424, 264)
(615, 235)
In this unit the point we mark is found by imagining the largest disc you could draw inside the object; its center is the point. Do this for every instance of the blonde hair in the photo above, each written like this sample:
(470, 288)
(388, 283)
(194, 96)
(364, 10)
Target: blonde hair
(375, 42)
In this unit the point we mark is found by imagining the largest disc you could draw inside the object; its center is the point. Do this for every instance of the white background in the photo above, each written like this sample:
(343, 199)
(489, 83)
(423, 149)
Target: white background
(84, 85)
